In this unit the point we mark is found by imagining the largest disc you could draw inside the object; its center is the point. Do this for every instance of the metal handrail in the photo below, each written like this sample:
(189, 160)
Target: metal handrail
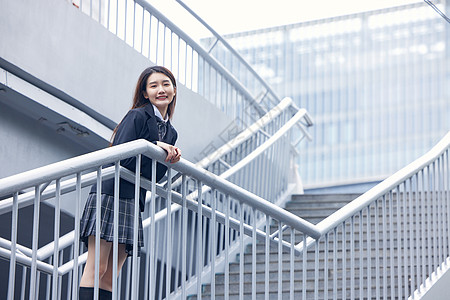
(230, 48)
(88, 179)
(70, 166)
(390, 183)
(247, 133)
(382, 188)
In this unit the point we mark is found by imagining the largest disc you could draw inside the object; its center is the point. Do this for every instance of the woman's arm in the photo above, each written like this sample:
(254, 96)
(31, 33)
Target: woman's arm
(173, 153)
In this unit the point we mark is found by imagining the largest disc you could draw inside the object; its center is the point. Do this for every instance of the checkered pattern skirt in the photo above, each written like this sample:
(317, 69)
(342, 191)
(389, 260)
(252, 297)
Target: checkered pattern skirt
(126, 220)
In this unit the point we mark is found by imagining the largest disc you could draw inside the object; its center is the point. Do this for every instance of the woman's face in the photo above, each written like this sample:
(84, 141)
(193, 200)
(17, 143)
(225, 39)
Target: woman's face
(160, 91)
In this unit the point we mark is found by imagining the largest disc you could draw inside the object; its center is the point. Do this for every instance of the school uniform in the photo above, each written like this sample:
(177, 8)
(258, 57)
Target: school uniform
(140, 123)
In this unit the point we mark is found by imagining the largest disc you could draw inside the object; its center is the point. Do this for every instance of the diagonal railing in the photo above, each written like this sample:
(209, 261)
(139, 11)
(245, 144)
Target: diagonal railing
(386, 240)
(156, 37)
(263, 147)
(221, 191)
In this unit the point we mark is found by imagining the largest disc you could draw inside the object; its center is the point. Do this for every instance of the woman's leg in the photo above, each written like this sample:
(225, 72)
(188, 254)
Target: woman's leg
(88, 278)
(106, 280)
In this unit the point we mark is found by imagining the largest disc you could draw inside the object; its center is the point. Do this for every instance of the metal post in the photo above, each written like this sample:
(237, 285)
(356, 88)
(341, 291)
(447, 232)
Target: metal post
(33, 274)
(12, 262)
(56, 240)
(137, 185)
(115, 295)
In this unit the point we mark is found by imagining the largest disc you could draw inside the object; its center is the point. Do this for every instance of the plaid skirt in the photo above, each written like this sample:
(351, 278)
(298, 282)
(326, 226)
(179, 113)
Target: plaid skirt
(126, 220)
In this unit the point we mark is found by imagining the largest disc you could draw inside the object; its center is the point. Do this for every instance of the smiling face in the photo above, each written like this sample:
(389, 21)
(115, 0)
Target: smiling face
(160, 91)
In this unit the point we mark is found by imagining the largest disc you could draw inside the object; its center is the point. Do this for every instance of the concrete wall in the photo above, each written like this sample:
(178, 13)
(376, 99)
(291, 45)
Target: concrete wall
(56, 43)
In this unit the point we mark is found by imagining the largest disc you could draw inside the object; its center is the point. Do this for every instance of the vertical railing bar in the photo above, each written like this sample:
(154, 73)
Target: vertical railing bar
(163, 251)
(76, 246)
(411, 239)
(221, 226)
(352, 258)
(205, 257)
(12, 262)
(164, 45)
(291, 268)
(117, 18)
(443, 207)
(391, 235)
(213, 242)
(150, 16)
(169, 232)
(429, 224)
(183, 238)
(152, 279)
(97, 233)
(115, 295)
(171, 49)
(38, 285)
(108, 13)
(254, 255)
(134, 279)
(418, 232)
(134, 24)
(60, 281)
(146, 234)
(305, 267)
(335, 258)
(125, 21)
(344, 259)
(178, 216)
(37, 201)
(384, 242)
(280, 261)
(446, 197)
(241, 251)
(24, 281)
(128, 281)
(440, 217)
(325, 267)
(377, 250)
(267, 259)
(400, 217)
(142, 30)
(199, 240)
(49, 282)
(369, 253)
(361, 256)
(99, 11)
(227, 245)
(435, 222)
(192, 261)
(424, 208)
(316, 269)
(69, 279)
(55, 278)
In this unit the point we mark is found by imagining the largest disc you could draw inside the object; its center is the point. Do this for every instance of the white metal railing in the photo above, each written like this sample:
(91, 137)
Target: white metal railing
(152, 34)
(389, 240)
(393, 238)
(221, 193)
(260, 144)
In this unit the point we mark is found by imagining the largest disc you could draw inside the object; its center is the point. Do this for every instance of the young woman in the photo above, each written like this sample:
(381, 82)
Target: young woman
(149, 118)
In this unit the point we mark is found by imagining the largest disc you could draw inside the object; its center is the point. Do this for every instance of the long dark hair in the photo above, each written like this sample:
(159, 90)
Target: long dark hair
(138, 98)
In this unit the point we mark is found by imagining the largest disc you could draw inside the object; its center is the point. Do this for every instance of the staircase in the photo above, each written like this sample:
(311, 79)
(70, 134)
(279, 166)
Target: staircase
(313, 208)
(399, 248)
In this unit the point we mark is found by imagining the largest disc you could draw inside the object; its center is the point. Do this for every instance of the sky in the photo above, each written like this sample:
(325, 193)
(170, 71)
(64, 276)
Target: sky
(231, 16)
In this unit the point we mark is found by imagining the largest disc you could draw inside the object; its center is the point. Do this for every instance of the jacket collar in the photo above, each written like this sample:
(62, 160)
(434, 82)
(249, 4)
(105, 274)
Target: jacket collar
(148, 108)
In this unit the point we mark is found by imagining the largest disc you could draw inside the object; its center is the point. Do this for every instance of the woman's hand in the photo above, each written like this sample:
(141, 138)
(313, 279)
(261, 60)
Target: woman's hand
(173, 153)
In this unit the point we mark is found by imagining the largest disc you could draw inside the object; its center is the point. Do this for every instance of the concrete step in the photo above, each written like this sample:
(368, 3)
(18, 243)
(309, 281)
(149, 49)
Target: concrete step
(296, 287)
(315, 208)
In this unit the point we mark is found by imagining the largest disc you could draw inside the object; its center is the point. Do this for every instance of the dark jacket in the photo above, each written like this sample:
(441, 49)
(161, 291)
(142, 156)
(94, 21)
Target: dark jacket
(138, 123)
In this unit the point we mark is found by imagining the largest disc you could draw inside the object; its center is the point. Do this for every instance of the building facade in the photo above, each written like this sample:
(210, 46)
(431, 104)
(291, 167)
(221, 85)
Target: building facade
(376, 84)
